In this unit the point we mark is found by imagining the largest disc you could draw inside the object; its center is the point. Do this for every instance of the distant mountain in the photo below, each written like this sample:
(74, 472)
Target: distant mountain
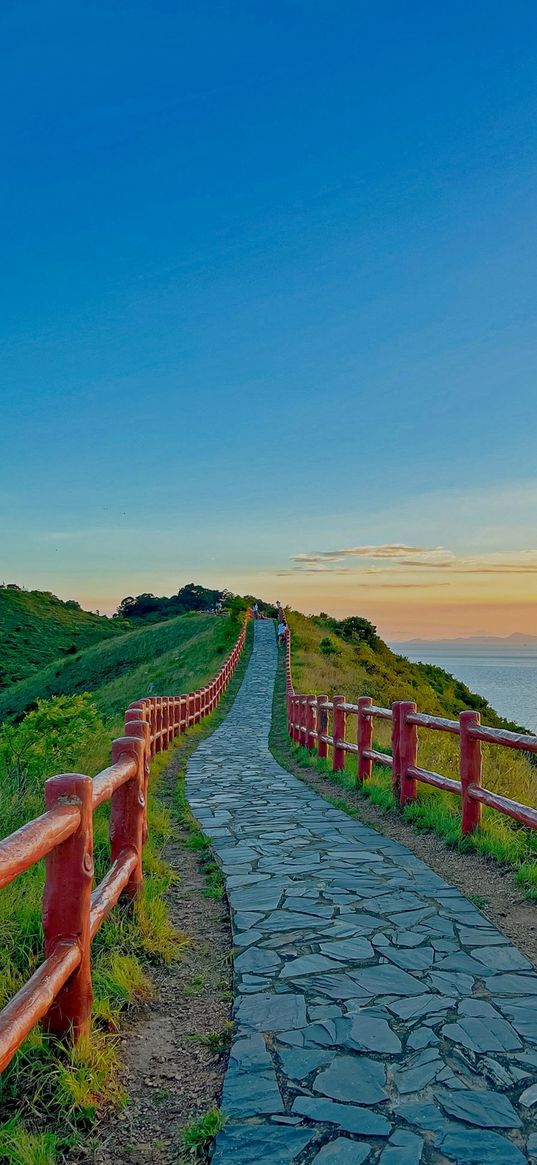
(517, 639)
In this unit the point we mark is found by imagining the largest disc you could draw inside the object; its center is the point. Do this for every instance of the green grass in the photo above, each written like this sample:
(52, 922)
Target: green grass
(218, 1042)
(199, 1134)
(434, 811)
(171, 657)
(356, 668)
(50, 1095)
(36, 627)
(18, 1147)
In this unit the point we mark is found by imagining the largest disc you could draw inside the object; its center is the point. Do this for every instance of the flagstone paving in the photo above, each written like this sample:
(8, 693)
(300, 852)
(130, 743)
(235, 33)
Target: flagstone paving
(380, 1018)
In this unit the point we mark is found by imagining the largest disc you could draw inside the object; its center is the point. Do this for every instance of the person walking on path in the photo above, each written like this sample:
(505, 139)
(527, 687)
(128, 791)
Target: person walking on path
(282, 632)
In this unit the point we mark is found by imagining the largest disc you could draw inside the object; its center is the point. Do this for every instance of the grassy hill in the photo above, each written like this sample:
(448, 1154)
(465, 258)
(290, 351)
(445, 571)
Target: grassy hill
(325, 661)
(158, 659)
(36, 627)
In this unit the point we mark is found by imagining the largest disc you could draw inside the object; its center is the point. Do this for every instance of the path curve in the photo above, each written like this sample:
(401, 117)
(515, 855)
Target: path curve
(379, 1016)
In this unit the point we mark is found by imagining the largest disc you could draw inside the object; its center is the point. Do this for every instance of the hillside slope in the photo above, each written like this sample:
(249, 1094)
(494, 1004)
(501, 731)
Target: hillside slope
(323, 661)
(160, 659)
(36, 628)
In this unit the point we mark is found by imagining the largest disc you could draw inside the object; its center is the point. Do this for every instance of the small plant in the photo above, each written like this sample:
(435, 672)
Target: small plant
(527, 877)
(197, 1136)
(328, 647)
(199, 842)
(217, 1042)
(477, 900)
(195, 985)
(91, 1077)
(215, 882)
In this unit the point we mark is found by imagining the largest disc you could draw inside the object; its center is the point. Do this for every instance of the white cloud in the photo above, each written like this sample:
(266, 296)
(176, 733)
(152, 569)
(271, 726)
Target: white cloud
(427, 558)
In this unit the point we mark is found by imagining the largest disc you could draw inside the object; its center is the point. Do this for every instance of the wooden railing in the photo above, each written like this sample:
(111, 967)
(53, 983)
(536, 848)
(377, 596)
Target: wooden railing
(60, 992)
(320, 724)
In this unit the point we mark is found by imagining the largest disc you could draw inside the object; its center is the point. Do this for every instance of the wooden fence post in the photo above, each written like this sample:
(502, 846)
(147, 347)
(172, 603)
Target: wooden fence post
(140, 730)
(408, 752)
(311, 705)
(158, 724)
(396, 751)
(294, 718)
(153, 724)
(364, 737)
(322, 727)
(127, 814)
(339, 723)
(302, 721)
(470, 771)
(67, 904)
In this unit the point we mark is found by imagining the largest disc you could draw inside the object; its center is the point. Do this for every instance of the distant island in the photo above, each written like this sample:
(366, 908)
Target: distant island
(517, 639)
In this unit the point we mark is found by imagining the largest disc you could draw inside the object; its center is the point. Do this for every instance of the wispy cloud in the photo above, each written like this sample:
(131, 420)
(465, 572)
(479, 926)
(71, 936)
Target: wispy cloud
(427, 558)
(395, 551)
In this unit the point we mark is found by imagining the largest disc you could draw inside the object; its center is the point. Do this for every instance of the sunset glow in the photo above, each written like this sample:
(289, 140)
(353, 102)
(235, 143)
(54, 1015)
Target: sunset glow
(270, 308)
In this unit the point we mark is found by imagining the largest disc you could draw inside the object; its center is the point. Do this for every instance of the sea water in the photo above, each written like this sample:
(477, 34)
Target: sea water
(507, 678)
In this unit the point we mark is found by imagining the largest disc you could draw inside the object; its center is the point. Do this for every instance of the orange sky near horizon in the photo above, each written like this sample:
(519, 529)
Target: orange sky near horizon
(432, 608)
(435, 607)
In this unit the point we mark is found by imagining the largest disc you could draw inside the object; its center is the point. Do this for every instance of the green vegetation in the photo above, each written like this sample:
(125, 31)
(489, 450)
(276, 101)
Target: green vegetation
(36, 627)
(369, 668)
(174, 656)
(149, 608)
(49, 739)
(347, 656)
(50, 1095)
(217, 1042)
(198, 1135)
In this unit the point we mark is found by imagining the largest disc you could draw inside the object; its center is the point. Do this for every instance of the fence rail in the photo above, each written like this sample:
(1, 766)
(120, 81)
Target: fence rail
(308, 722)
(60, 993)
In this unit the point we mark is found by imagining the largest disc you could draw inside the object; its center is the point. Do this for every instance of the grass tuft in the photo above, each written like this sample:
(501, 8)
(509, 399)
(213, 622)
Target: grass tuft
(19, 1147)
(90, 1077)
(198, 1135)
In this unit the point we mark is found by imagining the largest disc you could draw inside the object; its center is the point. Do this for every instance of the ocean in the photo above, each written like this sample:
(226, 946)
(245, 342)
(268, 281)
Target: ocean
(506, 677)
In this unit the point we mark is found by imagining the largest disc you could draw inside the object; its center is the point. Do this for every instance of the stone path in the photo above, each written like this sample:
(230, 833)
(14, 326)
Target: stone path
(380, 1018)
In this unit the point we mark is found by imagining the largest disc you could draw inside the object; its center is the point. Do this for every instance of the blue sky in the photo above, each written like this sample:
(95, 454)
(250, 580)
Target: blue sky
(269, 285)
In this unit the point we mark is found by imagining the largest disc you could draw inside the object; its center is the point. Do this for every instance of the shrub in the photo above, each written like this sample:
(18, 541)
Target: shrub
(328, 647)
(48, 740)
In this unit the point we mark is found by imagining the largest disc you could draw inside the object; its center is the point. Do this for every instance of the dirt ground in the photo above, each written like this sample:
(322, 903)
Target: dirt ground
(171, 1077)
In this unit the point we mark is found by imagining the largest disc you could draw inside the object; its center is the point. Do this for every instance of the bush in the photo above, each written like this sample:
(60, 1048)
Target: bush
(327, 647)
(48, 740)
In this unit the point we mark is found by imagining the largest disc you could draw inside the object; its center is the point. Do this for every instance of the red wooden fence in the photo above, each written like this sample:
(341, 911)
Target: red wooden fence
(59, 993)
(308, 721)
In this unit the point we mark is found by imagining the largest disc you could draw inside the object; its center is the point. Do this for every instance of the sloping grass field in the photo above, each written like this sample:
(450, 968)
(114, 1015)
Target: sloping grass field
(159, 659)
(36, 627)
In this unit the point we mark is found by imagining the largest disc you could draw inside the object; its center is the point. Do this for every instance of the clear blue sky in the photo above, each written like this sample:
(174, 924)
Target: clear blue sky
(269, 284)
